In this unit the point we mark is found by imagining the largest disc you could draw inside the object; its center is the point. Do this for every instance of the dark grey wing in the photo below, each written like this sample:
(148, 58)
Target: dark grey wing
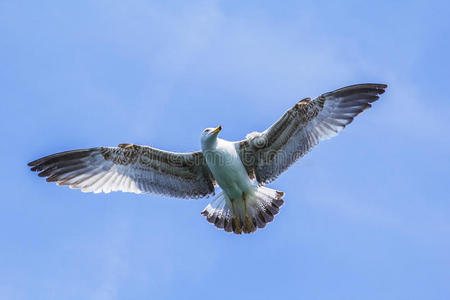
(266, 155)
(129, 168)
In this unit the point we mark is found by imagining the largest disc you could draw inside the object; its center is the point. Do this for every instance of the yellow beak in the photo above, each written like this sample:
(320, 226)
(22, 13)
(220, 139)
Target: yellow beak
(217, 130)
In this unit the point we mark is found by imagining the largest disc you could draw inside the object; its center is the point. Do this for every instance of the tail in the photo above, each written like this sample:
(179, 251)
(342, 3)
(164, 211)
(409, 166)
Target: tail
(252, 211)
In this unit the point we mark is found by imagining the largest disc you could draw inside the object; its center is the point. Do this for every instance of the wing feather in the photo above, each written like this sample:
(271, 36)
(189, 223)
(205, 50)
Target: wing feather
(129, 168)
(266, 155)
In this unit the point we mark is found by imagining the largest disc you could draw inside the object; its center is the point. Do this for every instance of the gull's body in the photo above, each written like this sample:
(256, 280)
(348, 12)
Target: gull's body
(226, 166)
(239, 168)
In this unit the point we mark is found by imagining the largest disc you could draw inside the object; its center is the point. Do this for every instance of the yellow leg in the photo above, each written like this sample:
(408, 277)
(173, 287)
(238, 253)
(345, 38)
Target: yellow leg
(247, 218)
(237, 222)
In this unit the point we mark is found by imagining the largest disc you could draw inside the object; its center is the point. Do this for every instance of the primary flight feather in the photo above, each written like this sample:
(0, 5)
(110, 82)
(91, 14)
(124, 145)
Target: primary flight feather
(239, 168)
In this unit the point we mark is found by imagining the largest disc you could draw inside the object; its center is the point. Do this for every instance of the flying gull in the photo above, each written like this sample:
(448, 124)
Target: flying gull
(240, 169)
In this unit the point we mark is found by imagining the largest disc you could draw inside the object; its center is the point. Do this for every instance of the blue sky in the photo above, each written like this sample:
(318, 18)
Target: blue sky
(366, 213)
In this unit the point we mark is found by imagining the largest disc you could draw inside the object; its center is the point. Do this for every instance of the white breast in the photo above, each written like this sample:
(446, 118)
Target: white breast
(227, 168)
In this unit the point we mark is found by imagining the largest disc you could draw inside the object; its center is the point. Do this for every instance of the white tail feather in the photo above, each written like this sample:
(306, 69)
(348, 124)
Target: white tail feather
(252, 211)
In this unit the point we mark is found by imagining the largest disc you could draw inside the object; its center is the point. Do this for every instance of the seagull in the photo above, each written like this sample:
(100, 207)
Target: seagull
(239, 168)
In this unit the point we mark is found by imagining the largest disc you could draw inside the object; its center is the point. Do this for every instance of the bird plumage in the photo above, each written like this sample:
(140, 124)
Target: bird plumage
(243, 205)
(129, 168)
(266, 155)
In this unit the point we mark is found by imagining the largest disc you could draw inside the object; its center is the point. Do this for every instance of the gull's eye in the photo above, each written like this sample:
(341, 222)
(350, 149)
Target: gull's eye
(207, 130)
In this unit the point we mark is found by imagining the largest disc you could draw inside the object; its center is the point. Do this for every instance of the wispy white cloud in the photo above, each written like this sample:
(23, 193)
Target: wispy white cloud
(266, 64)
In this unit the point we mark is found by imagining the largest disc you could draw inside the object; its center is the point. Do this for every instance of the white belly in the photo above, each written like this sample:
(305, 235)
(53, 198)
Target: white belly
(228, 170)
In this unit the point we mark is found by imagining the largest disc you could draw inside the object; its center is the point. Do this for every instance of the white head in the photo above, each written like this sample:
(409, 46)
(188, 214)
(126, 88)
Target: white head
(209, 136)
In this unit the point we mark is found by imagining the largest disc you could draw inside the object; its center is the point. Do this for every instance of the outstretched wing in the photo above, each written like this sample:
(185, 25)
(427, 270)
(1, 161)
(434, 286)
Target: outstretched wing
(129, 168)
(266, 155)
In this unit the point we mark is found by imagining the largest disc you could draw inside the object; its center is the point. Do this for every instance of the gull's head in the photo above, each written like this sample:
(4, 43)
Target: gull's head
(209, 135)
